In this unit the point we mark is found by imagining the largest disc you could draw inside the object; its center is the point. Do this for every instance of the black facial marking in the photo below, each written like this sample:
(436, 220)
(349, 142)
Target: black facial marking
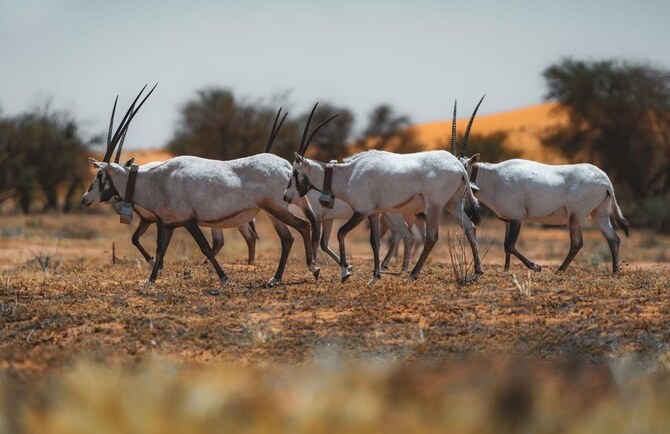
(302, 183)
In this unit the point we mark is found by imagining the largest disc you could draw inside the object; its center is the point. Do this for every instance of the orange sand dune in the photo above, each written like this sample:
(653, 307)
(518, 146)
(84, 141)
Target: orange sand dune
(142, 156)
(523, 125)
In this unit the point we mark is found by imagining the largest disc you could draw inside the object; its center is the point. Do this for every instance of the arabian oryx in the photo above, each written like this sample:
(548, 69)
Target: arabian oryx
(192, 191)
(248, 231)
(376, 181)
(94, 195)
(518, 190)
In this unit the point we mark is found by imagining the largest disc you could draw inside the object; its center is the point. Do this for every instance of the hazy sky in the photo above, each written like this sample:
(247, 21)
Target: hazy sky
(416, 55)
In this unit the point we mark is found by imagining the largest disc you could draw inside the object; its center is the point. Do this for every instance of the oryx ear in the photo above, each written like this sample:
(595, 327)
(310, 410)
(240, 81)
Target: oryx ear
(300, 159)
(474, 159)
(95, 163)
(129, 162)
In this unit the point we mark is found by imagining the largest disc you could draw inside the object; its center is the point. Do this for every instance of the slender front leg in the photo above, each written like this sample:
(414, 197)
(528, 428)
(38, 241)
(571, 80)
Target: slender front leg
(374, 242)
(141, 229)
(576, 241)
(355, 220)
(163, 237)
(192, 227)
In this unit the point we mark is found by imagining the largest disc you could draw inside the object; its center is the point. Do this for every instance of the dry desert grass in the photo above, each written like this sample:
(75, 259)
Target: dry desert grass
(547, 353)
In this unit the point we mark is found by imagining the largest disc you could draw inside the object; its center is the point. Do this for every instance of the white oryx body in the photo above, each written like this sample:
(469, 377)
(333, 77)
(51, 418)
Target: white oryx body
(193, 191)
(518, 190)
(398, 226)
(377, 181)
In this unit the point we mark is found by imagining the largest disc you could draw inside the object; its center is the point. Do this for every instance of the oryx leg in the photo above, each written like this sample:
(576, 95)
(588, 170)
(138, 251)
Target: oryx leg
(432, 234)
(508, 254)
(217, 240)
(163, 237)
(192, 227)
(355, 220)
(327, 227)
(282, 214)
(315, 225)
(456, 210)
(393, 243)
(374, 242)
(510, 246)
(286, 243)
(576, 241)
(316, 236)
(141, 229)
(602, 218)
(394, 240)
(250, 236)
(400, 230)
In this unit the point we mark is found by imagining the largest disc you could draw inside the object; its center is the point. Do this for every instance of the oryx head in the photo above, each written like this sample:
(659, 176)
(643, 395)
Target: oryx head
(102, 188)
(299, 183)
(465, 161)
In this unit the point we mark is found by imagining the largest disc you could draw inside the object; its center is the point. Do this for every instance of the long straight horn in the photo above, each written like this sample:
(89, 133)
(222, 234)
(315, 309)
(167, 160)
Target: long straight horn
(453, 130)
(275, 130)
(111, 126)
(317, 129)
(303, 148)
(121, 133)
(467, 130)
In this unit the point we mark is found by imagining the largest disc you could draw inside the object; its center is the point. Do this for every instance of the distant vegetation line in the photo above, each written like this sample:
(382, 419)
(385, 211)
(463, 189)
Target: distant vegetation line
(612, 113)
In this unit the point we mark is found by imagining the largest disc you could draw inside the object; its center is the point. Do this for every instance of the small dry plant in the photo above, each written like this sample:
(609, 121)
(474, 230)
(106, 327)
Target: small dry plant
(462, 267)
(524, 286)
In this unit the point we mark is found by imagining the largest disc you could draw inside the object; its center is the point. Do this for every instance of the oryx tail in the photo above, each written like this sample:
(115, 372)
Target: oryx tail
(616, 216)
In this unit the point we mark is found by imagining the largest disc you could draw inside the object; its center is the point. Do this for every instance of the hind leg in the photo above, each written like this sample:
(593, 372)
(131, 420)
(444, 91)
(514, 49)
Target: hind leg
(602, 218)
(192, 227)
(576, 241)
(286, 243)
(510, 245)
(374, 242)
(250, 237)
(432, 234)
(508, 254)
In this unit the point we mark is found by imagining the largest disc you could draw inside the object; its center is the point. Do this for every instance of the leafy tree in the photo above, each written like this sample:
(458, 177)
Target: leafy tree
(220, 126)
(41, 150)
(618, 118)
(388, 130)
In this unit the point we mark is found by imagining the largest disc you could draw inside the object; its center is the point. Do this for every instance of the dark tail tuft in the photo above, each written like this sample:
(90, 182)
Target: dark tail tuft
(616, 216)
(471, 204)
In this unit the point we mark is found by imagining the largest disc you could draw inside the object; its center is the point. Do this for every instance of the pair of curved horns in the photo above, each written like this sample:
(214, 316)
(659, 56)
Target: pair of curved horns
(467, 130)
(304, 143)
(120, 134)
(275, 129)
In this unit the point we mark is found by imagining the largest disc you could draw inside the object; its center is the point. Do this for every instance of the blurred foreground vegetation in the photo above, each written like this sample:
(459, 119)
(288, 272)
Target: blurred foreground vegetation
(330, 395)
